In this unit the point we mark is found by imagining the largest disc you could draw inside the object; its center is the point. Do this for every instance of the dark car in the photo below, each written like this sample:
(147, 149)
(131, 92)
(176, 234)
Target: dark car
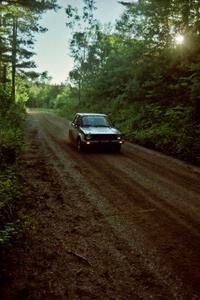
(90, 129)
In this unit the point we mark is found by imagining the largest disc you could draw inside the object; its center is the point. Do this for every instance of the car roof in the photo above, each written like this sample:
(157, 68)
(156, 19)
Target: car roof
(90, 114)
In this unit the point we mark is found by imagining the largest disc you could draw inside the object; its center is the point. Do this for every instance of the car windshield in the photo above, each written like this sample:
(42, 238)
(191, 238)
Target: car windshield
(95, 121)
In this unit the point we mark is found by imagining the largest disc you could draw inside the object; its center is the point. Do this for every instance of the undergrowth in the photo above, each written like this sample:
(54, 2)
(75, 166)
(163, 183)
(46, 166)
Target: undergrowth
(12, 217)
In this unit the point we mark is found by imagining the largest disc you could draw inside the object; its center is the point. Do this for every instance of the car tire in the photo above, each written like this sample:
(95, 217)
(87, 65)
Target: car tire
(79, 145)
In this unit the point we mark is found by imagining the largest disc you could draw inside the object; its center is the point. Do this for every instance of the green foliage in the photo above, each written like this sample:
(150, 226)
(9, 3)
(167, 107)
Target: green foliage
(8, 192)
(7, 233)
(21, 91)
(19, 20)
(62, 98)
(170, 130)
(5, 102)
(11, 144)
(14, 229)
(12, 117)
(10, 196)
(47, 95)
(69, 108)
(11, 133)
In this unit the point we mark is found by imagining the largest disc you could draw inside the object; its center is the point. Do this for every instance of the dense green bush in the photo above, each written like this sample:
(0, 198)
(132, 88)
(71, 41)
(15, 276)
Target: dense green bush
(11, 145)
(9, 195)
(170, 130)
(12, 117)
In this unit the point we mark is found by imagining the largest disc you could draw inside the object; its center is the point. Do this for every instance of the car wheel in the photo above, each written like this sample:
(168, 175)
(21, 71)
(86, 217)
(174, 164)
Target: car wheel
(79, 145)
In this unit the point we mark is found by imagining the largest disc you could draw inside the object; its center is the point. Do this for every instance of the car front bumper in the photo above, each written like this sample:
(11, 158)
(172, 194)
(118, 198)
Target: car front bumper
(103, 142)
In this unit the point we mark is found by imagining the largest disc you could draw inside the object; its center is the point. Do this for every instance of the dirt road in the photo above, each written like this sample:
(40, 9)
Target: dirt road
(106, 225)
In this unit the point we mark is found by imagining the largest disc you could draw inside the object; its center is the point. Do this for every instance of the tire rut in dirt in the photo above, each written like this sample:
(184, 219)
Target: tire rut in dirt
(174, 237)
(191, 181)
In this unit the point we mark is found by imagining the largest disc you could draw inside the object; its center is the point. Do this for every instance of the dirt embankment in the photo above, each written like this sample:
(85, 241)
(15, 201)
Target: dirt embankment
(105, 225)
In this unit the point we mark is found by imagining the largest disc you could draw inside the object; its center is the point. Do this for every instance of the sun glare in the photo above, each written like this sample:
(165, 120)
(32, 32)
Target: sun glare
(179, 39)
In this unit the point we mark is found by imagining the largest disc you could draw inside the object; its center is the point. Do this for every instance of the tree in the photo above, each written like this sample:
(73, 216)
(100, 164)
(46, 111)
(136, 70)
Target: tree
(159, 21)
(18, 23)
(84, 28)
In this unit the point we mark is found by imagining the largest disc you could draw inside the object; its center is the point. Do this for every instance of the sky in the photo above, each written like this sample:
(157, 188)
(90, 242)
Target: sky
(51, 48)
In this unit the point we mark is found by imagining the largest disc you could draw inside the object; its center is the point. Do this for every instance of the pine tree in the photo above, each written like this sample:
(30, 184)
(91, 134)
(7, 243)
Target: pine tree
(19, 20)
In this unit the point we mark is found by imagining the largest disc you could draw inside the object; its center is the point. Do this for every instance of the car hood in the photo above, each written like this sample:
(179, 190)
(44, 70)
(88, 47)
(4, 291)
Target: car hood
(99, 130)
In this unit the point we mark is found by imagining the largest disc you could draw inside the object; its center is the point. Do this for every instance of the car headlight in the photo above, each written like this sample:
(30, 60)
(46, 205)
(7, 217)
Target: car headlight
(88, 136)
(119, 137)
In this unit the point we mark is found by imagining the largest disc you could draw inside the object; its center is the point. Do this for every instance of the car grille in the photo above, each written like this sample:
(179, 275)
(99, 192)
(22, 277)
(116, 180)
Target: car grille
(103, 137)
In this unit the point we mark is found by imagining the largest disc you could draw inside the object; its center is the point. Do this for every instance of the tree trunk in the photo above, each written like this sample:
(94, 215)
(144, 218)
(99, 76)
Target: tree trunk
(0, 49)
(4, 78)
(79, 90)
(14, 56)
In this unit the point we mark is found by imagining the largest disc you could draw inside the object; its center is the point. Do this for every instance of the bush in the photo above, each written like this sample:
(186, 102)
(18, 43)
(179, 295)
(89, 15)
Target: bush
(9, 195)
(11, 145)
(170, 130)
(11, 133)
(12, 119)
(69, 109)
